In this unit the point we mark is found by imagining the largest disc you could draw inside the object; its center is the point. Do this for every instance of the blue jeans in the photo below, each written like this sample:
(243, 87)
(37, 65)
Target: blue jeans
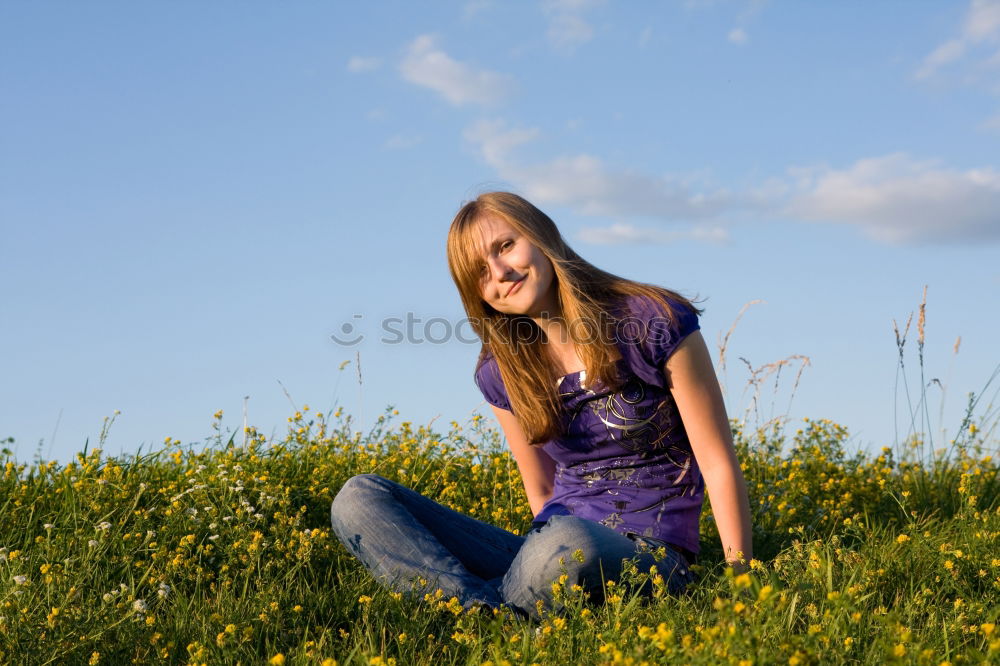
(402, 537)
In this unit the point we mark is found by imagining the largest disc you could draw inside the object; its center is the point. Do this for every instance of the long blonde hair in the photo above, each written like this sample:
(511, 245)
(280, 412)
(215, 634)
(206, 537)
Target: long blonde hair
(586, 295)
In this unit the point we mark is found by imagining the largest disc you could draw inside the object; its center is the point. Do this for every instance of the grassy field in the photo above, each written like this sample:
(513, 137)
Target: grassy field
(225, 555)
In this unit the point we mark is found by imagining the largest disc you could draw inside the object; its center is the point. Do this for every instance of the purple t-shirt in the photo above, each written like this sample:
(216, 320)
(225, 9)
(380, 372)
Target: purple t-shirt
(624, 460)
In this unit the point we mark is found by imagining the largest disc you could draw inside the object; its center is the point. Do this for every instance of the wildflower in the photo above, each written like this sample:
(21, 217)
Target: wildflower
(21, 580)
(364, 599)
(329, 662)
(164, 591)
(899, 650)
(987, 628)
(139, 606)
(902, 538)
(93, 543)
(104, 525)
(48, 526)
(277, 660)
(95, 658)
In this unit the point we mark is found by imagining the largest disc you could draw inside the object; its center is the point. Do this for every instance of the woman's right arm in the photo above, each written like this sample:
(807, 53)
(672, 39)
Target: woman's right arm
(537, 469)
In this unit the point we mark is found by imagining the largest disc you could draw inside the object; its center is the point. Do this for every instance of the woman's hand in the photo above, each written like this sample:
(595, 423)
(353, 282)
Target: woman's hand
(696, 391)
(537, 469)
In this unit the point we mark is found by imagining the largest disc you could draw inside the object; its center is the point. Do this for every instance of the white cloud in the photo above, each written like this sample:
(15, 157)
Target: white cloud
(403, 141)
(584, 183)
(983, 20)
(474, 7)
(645, 36)
(992, 123)
(428, 66)
(893, 199)
(981, 26)
(359, 64)
(495, 142)
(897, 199)
(567, 27)
(737, 36)
(569, 5)
(627, 234)
(568, 31)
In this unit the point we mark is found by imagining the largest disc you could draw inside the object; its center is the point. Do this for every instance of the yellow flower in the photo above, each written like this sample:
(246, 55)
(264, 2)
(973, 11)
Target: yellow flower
(364, 599)
(329, 661)
(277, 660)
(902, 538)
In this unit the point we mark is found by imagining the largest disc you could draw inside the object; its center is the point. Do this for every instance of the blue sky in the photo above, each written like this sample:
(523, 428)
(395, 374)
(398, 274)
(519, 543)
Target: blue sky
(195, 196)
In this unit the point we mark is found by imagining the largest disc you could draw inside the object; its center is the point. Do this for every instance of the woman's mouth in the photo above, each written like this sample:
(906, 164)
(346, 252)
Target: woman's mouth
(514, 287)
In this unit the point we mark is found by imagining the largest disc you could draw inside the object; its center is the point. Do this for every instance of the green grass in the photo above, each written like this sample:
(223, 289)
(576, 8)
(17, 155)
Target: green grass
(225, 555)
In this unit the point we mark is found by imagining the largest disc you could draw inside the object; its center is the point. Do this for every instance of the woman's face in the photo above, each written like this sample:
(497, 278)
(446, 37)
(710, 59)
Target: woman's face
(518, 278)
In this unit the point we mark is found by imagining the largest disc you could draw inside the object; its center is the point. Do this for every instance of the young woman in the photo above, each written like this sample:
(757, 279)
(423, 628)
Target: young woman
(605, 391)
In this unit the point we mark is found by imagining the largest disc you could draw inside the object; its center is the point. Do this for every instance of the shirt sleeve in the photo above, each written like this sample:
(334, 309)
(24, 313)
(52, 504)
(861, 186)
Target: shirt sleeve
(651, 337)
(491, 385)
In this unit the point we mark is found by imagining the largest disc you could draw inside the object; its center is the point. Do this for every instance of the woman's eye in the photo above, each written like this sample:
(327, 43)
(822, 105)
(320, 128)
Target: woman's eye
(506, 244)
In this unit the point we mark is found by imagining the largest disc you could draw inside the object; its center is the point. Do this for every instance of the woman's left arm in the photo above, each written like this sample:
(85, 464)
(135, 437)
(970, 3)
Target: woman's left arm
(696, 391)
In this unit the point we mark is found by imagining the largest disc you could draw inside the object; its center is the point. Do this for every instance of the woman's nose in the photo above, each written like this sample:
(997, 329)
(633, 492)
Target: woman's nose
(499, 269)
